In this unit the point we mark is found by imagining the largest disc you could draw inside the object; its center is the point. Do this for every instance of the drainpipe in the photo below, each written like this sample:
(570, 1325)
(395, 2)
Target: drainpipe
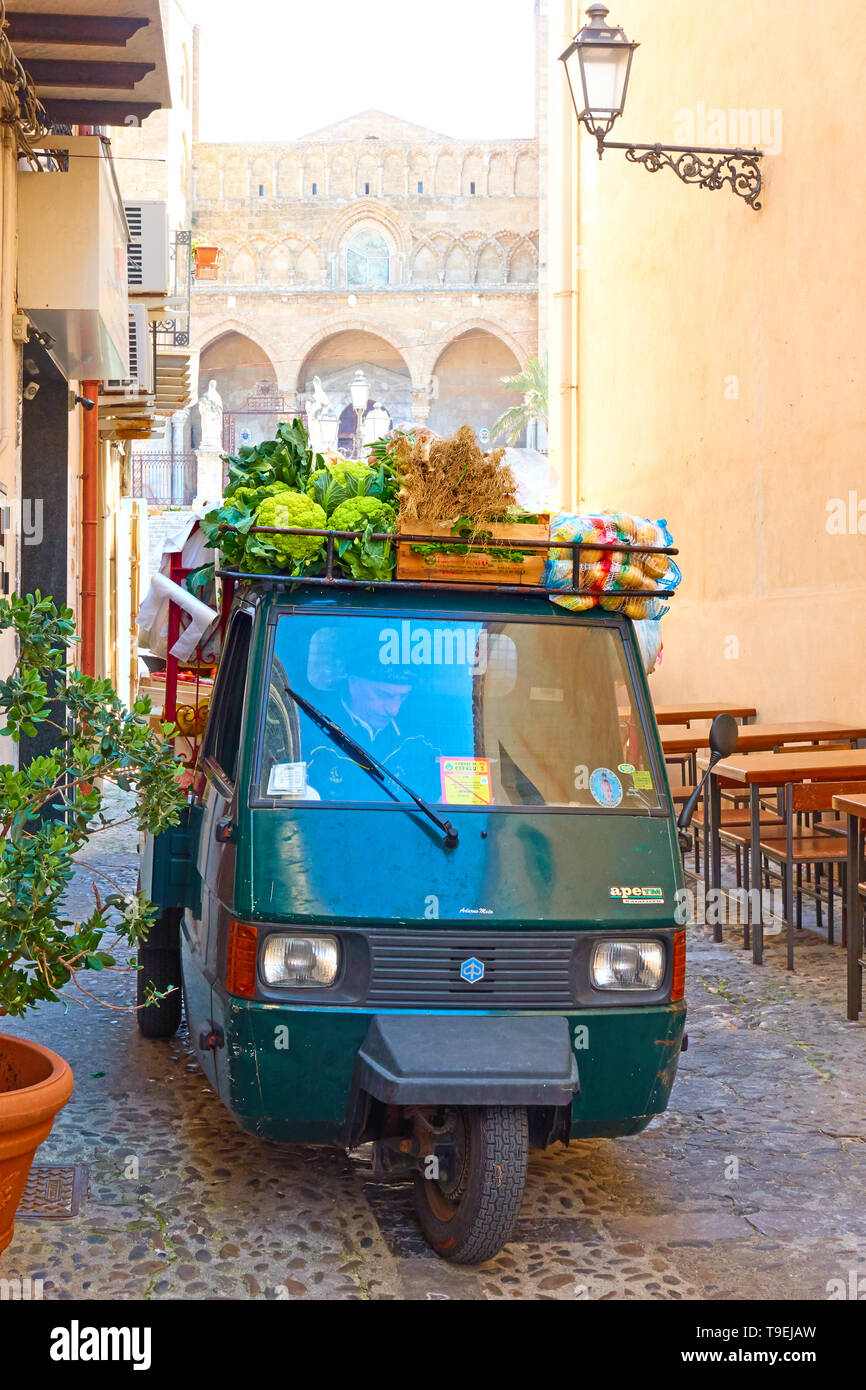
(89, 527)
(10, 401)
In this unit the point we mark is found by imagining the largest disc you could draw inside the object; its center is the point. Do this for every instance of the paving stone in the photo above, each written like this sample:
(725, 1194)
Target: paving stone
(750, 1186)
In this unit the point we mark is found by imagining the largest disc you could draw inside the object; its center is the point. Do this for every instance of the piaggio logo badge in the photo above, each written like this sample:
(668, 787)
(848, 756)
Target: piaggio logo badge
(472, 971)
(638, 895)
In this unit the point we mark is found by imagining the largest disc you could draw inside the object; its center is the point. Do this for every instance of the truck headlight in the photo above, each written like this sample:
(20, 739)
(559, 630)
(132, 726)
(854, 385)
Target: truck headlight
(627, 965)
(290, 961)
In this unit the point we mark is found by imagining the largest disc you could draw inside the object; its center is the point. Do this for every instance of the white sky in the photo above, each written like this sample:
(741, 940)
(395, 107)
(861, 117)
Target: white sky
(274, 71)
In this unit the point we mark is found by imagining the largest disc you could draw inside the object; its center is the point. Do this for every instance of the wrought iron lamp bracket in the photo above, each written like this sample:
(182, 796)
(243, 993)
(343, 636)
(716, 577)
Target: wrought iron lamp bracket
(705, 166)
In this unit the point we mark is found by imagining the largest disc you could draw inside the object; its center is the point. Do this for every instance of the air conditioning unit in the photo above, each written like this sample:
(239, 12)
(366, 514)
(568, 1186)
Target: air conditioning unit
(72, 241)
(140, 380)
(148, 256)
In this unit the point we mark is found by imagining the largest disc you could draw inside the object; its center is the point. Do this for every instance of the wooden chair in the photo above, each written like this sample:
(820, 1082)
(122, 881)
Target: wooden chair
(813, 844)
(861, 961)
(735, 831)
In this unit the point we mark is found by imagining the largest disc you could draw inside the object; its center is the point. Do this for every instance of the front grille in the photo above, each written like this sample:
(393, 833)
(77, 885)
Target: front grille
(529, 970)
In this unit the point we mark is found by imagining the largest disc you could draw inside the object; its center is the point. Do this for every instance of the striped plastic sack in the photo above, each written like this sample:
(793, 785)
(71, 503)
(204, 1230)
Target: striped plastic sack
(620, 577)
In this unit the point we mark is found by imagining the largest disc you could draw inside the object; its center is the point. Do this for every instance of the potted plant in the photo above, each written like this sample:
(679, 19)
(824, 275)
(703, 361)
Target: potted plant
(206, 260)
(49, 808)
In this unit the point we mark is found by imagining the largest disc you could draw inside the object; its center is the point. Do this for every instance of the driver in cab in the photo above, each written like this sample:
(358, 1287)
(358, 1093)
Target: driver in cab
(368, 708)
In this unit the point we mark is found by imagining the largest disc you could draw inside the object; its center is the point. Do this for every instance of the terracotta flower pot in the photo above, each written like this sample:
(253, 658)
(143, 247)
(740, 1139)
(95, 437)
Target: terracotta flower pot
(34, 1085)
(207, 261)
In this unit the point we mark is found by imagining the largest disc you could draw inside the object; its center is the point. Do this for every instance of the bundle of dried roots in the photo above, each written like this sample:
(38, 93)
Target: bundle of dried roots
(449, 479)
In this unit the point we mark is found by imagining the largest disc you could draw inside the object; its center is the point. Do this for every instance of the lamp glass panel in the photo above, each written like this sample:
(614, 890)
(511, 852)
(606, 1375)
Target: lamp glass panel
(604, 75)
(329, 427)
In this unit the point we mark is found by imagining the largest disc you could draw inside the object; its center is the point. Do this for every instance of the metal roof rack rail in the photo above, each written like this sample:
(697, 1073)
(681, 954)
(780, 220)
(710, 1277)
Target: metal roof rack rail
(332, 580)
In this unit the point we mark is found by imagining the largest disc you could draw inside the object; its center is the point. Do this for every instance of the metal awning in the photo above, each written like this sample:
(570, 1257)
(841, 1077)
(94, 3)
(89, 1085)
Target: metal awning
(129, 415)
(173, 382)
(93, 62)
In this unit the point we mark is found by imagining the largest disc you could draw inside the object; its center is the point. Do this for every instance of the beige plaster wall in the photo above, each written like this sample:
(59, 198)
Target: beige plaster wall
(720, 361)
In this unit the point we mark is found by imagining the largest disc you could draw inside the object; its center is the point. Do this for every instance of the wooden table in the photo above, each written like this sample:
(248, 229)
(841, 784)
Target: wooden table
(763, 738)
(854, 807)
(760, 738)
(685, 713)
(756, 770)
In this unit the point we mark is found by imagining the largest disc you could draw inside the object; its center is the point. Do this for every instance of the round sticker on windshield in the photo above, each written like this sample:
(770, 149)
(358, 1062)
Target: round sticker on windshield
(628, 768)
(605, 786)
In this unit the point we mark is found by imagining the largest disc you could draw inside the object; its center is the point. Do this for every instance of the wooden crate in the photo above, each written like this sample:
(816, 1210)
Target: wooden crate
(479, 566)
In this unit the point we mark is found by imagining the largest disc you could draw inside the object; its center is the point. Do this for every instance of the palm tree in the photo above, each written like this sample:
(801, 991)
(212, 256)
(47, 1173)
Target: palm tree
(532, 384)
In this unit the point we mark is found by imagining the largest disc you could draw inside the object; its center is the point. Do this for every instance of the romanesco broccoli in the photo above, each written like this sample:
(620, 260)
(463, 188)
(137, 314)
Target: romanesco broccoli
(288, 552)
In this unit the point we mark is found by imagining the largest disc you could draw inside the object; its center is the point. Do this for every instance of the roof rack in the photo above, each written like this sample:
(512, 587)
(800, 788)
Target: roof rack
(331, 580)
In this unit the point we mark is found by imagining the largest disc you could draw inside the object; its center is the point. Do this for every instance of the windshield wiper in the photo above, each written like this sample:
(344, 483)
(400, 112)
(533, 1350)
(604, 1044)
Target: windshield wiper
(371, 765)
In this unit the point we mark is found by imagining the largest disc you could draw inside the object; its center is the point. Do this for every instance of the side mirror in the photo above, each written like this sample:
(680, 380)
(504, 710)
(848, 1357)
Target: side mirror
(723, 740)
(723, 735)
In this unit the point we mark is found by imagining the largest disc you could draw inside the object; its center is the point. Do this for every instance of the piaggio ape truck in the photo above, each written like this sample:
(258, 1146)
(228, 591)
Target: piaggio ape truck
(423, 894)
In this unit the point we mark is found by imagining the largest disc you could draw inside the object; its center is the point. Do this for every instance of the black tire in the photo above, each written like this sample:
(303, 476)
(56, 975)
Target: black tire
(471, 1221)
(162, 969)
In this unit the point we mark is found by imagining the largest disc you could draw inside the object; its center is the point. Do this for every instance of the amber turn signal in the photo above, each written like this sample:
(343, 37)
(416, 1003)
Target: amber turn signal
(241, 964)
(678, 980)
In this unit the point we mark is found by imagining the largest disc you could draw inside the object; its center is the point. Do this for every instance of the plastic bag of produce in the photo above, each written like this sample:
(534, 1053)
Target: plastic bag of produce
(622, 575)
(648, 632)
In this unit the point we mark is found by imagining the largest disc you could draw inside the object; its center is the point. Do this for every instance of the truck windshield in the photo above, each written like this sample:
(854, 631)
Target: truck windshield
(468, 713)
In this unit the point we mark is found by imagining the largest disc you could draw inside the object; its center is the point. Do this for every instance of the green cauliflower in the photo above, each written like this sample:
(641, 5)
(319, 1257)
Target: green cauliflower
(341, 469)
(364, 558)
(287, 552)
(356, 513)
(329, 486)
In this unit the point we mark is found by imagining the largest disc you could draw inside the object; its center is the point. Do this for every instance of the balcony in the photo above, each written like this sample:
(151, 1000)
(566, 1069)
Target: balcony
(169, 480)
(173, 332)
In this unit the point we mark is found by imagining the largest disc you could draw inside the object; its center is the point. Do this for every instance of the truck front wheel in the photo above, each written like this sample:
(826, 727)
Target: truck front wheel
(468, 1213)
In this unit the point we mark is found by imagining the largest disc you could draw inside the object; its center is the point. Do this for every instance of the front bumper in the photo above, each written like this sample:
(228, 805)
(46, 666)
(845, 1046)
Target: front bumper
(287, 1073)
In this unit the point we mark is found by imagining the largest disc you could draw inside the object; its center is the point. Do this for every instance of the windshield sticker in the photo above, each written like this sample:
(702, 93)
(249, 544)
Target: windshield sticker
(627, 768)
(639, 895)
(643, 781)
(547, 692)
(605, 787)
(288, 779)
(466, 781)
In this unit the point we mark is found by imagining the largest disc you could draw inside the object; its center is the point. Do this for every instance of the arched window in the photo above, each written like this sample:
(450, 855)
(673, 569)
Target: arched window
(367, 260)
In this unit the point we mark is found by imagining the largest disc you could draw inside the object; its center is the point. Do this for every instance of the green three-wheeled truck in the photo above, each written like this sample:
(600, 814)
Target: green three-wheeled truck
(423, 896)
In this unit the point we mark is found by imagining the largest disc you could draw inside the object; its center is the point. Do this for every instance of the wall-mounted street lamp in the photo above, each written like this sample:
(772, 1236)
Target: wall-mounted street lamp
(598, 65)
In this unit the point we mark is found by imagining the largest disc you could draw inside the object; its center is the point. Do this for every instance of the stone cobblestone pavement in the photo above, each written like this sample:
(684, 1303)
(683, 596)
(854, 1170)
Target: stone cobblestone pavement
(750, 1186)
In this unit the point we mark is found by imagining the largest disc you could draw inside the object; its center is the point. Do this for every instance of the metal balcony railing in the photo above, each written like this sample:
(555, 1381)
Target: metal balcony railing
(174, 332)
(164, 479)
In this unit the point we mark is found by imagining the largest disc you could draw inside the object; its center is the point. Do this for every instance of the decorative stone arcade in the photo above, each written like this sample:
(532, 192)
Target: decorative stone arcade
(373, 244)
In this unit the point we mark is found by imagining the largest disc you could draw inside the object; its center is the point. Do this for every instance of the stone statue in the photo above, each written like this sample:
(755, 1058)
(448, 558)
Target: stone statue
(211, 411)
(318, 406)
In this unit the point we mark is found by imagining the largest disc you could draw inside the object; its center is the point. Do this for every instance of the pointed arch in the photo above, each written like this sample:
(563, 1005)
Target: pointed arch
(426, 264)
(433, 351)
(523, 262)
(210, 333)
(372, 212)
(329, 328)
(459, 264)
(490, 263)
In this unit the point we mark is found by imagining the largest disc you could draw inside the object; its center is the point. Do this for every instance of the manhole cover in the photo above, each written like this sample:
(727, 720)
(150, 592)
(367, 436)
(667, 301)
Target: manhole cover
(53, 1191)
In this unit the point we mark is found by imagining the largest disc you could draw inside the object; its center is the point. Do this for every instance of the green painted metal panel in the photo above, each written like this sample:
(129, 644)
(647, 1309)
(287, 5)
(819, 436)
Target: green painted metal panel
(286, 1074)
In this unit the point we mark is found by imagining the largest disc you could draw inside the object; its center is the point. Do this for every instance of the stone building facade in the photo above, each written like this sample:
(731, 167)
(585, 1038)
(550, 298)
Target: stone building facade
(372, 244)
